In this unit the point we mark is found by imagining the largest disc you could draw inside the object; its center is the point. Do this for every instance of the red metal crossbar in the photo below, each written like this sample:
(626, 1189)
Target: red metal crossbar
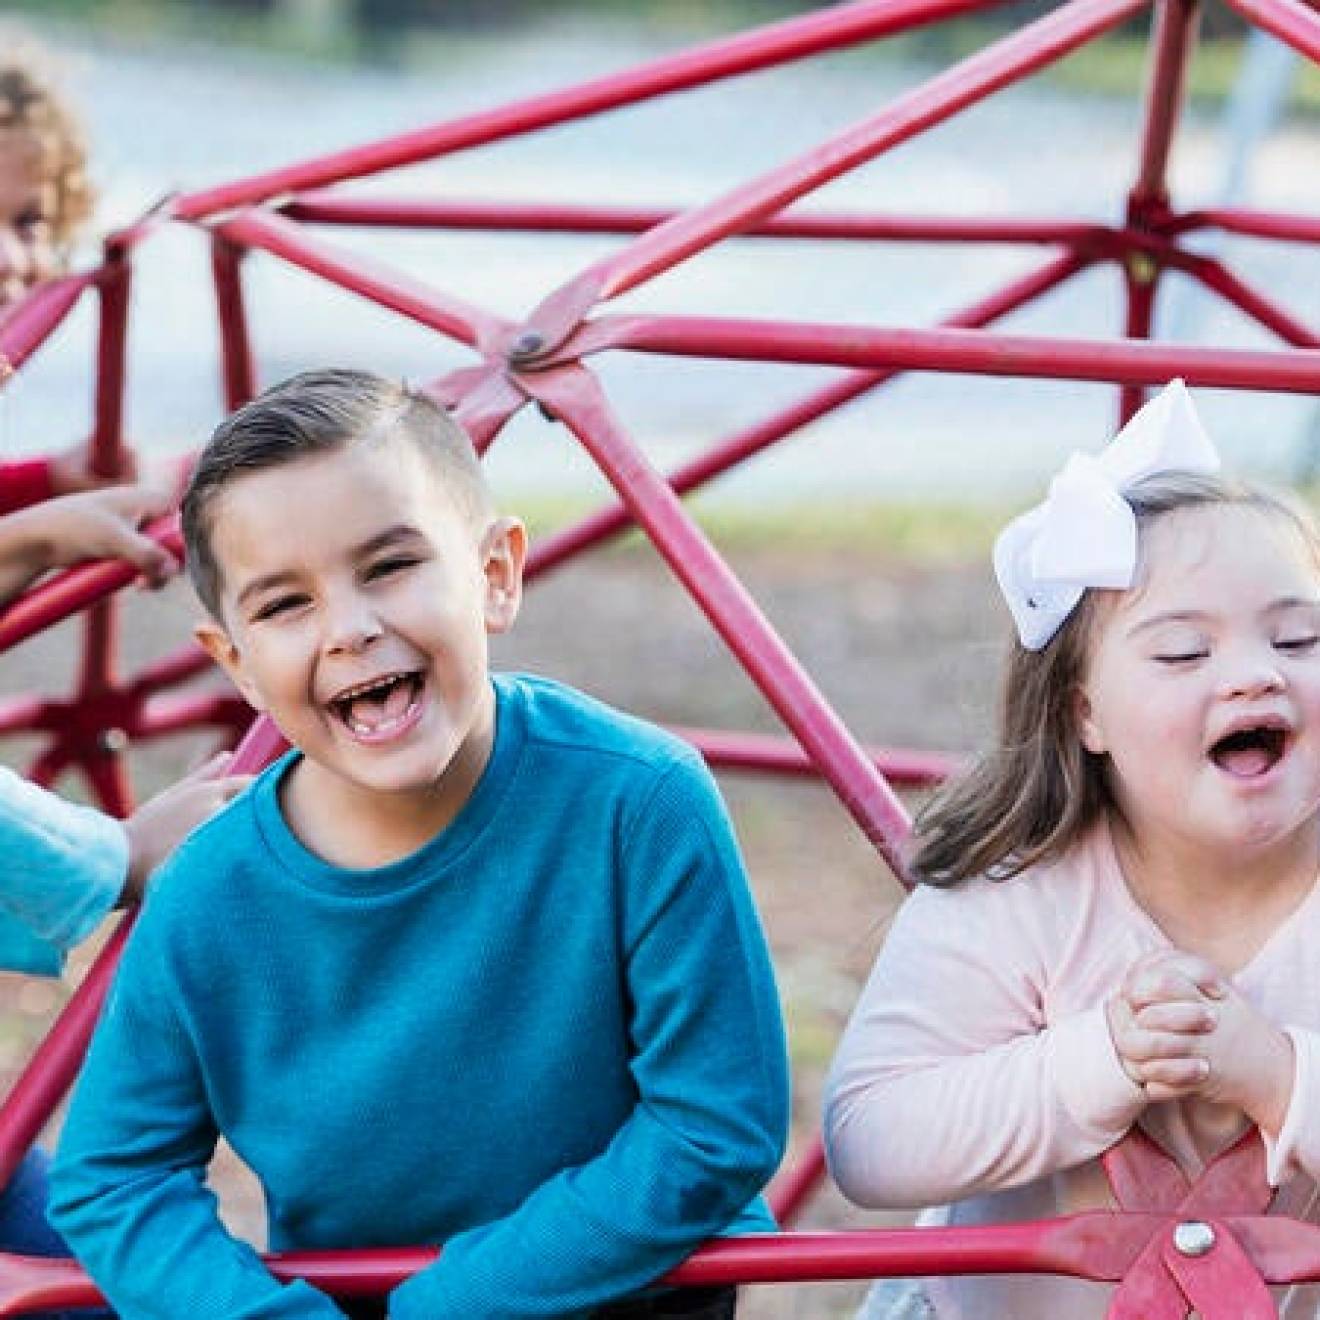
(547, 360)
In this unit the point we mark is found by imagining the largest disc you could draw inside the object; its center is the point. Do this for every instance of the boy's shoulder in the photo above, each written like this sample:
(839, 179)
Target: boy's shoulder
(562, 722)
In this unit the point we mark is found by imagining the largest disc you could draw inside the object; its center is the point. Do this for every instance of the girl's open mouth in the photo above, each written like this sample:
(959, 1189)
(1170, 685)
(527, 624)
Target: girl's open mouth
(381, 709)
(1251, 752)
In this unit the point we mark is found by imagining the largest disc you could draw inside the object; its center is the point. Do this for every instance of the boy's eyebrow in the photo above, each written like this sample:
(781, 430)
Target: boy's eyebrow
(390, 536)
(1278, 606)
(265, 583)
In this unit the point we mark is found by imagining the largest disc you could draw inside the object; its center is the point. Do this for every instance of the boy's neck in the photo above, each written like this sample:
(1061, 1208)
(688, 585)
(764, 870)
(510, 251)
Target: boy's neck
(359, 828)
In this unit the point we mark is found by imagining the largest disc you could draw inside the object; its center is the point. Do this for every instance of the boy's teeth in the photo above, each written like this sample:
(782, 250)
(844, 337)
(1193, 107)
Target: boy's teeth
(379, 707)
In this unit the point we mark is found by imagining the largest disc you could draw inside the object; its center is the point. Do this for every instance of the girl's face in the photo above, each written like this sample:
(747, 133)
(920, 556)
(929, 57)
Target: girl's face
(1203, 685)
(28, 202)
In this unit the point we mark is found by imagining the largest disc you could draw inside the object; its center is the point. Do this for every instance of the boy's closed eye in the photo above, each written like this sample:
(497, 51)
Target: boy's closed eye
(391, 565)
(278, 605)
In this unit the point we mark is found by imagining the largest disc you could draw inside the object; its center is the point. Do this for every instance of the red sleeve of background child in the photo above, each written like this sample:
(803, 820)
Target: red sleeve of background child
(24, 483)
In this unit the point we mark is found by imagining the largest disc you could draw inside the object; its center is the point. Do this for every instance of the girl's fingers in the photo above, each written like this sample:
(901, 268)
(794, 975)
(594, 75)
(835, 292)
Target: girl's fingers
(1146, 1047)
(1180, 978)
(1188, 1016)
(1176, 1074)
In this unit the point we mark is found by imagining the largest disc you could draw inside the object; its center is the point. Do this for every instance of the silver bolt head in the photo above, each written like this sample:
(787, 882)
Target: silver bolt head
(1193, 1238)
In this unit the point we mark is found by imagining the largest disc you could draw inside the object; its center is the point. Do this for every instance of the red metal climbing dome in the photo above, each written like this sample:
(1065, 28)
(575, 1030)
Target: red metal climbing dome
(1174, 1245)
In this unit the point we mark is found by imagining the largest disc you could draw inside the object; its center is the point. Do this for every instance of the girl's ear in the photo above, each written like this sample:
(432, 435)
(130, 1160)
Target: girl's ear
(504, 551)
(1088, 727)
(217, 643)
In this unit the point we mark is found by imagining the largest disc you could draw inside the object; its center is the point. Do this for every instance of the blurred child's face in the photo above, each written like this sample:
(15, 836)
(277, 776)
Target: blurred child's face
(27, 207)
(1203, 687)
(356, 601)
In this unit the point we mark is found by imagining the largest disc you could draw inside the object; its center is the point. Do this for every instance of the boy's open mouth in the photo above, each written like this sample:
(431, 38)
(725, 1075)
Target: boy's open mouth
(1251, 751)
(381, 706)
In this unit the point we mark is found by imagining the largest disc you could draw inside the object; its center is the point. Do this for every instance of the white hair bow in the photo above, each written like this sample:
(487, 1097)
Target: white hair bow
(1084, 534)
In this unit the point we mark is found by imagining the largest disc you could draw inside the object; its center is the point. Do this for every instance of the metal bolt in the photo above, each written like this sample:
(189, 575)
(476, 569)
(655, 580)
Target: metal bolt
(1143, 268)
(113, 740)
(1193, 1238)
(528, 344)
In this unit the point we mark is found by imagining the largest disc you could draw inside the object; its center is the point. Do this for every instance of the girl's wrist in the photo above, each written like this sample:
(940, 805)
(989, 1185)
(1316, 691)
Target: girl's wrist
(1268, 1082)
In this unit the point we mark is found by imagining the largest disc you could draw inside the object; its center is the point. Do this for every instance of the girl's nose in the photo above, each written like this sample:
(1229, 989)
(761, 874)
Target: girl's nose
(1251, 675)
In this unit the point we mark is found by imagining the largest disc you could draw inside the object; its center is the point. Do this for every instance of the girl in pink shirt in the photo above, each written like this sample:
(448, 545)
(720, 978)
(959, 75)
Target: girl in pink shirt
(1118, 921)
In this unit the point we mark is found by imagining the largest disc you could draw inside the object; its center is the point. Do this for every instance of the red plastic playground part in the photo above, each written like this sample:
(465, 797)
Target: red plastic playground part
(1173, 1245)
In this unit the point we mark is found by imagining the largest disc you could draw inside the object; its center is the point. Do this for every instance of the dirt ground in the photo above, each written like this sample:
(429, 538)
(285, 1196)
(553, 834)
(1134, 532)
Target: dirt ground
(906, 653)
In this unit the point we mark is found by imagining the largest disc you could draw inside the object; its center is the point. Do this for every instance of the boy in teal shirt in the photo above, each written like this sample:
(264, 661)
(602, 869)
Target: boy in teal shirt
(474, 964)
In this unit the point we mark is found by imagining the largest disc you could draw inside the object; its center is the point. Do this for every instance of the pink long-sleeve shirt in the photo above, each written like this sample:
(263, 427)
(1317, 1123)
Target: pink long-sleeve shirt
(977, 1076)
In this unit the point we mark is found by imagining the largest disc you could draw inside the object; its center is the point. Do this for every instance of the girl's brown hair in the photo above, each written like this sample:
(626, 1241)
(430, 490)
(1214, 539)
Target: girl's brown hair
(1039, 790)
(31, 103)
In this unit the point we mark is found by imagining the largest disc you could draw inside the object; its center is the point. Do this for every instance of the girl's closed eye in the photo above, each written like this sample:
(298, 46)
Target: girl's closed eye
(1298, 643)
(1180, 648)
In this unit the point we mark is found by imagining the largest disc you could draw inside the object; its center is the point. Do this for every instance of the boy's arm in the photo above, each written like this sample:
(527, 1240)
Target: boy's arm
(709, 1061)
(64, 869)
(127, 1189)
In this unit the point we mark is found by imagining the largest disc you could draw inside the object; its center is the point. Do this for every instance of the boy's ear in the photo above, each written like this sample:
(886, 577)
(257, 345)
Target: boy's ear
(504, 551)
(216, 642)
(1089, 732)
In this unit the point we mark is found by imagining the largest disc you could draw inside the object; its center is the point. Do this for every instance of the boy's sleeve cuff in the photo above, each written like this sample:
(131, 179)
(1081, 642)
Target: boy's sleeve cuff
(1089, 1079)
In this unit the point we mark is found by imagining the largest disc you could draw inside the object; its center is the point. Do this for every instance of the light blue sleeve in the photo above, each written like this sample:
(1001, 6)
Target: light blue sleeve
(63, 870)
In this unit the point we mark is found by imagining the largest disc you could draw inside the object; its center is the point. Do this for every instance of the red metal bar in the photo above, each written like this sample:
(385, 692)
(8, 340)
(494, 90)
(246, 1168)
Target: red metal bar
(1292, 21)
(551, 551)
(779, 756)
(1006, 61)
(238, 371)
(31, 322)
(170, 670)
(1253, 224)
(788, 1194)
(449, 315)
(976, 352)
(1140, 279)
(1216, 276)
(166, 715)
(329, 208)
(1094, 1245)
(51, 1070)
(745, 52)
(1175, 34)
(114, 285)
(575, 398)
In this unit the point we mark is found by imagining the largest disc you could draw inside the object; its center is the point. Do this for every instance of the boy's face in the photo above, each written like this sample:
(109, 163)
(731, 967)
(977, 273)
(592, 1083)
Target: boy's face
(27, 208)
(356, 602)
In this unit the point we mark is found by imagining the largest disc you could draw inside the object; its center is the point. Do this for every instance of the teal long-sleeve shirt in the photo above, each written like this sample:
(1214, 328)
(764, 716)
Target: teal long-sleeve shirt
(549, 1040)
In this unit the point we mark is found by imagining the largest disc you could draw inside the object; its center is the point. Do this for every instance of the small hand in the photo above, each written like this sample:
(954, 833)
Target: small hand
(104, 524)
(1249, 1063)
(1159, 1021)
(159, 826)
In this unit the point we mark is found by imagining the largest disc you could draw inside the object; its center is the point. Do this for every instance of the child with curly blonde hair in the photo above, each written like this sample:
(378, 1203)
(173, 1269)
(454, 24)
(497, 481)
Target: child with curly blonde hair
(46, 200)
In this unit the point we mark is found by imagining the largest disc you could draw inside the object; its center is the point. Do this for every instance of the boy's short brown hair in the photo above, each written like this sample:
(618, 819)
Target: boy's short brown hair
(319, 412)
